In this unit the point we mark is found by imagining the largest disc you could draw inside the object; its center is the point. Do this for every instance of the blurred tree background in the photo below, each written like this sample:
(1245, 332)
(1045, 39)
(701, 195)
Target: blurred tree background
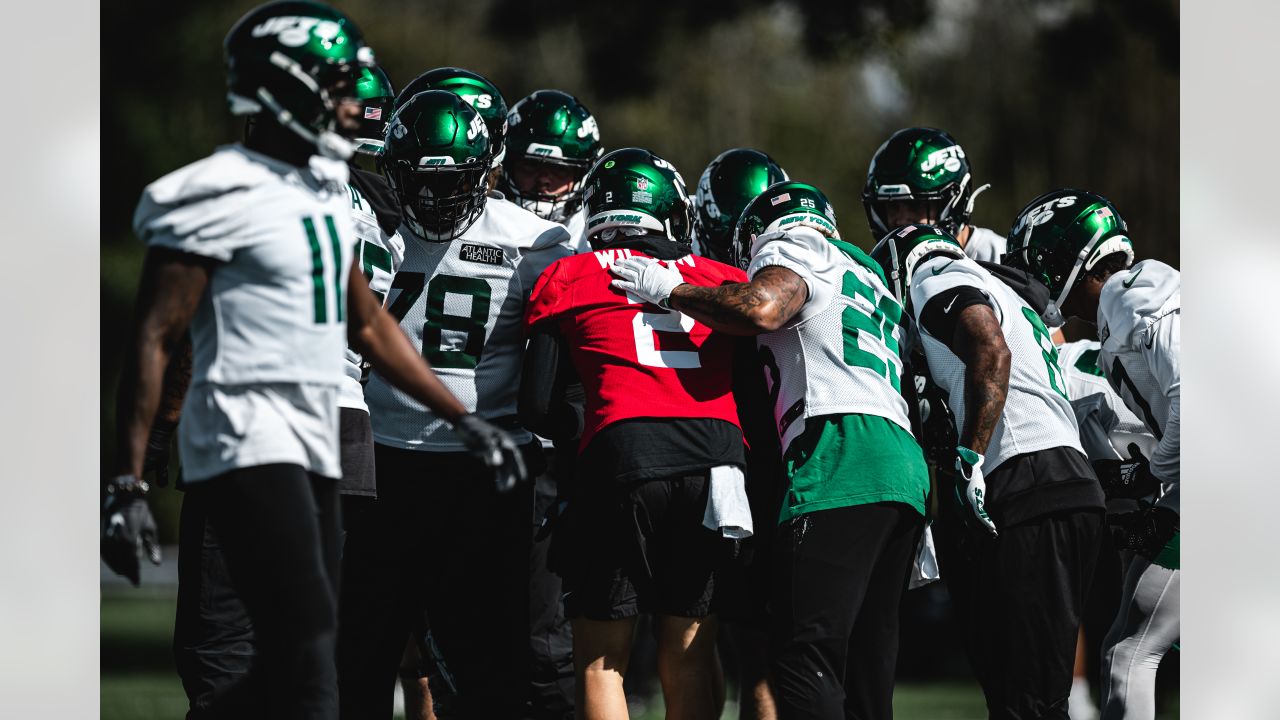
(1041, 94)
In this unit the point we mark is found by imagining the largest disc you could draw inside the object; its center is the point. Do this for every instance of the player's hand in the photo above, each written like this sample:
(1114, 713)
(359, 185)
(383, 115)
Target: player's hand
(646, 278)
(1145, 532)
(155, 461)
(1130, 479)
(128, 529)
(494, 448)
(971, 486)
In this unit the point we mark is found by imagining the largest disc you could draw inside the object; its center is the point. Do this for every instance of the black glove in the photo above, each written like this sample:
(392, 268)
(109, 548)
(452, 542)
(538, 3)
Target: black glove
(128, 529)
(155, 462)
(937, 427)
(1131, 479)
(495, 448)
(1145, 532)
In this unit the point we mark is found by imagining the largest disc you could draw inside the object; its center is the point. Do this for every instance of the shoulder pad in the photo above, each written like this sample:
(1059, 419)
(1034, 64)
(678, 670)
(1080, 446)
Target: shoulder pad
(507, 224)
(985, 244)
(228, 169)
(1133, 299)
(943, 273)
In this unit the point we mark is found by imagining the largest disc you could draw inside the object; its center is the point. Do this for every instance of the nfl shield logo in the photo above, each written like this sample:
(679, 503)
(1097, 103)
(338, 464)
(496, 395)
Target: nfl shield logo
(642, 183)
(373, 113)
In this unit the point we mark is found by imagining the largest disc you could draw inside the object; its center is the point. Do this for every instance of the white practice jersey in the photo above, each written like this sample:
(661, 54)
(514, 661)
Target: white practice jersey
(1140, 325)
(270, 329)
(1107, 427)
(462, 304)
(379, 255)
(840, 353)
(577, 227)
(1037, 414)
(985, 245)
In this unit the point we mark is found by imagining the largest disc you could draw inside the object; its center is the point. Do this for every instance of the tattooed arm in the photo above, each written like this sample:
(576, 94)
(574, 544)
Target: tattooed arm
(979, 343)
(768, 302)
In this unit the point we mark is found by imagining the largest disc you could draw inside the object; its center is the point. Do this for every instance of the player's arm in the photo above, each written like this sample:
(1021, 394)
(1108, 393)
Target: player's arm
(979, 343)
(544, 405)
(168, 294)
(1162, 358)
(763, 305)
(376, 335)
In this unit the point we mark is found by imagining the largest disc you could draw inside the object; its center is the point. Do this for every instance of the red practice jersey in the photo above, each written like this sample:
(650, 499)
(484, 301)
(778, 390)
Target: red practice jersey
(635, 359)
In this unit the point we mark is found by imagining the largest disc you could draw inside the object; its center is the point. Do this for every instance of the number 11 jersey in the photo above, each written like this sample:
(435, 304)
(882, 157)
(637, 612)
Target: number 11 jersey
(461, 303)
(636, 360)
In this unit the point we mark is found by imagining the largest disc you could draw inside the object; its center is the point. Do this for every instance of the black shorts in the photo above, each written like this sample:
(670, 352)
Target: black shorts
(355, 439)
(640, 548)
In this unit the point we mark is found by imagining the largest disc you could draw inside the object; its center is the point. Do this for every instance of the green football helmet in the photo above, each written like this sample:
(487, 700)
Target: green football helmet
(922, 165)
(288, 61)
(552, 127)
(479, 93)
(733, 179)
(633, 192)
(436, 158)
(781, 206)
(377, 101)
(1061, 235)
(901, 250)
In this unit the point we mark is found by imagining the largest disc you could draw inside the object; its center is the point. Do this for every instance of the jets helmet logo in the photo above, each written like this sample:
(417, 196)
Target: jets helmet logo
(477, 128)
(293, 31)
(1043, 213)
(948, 158)
(589, 128)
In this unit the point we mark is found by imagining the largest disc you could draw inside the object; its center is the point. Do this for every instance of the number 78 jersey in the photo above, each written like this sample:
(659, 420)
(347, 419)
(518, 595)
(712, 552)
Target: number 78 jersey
(840, 354)
(461, 304)
(637, 360)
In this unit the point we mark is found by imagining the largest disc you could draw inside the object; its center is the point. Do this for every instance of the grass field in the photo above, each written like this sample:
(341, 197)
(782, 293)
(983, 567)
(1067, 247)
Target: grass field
(139, 683)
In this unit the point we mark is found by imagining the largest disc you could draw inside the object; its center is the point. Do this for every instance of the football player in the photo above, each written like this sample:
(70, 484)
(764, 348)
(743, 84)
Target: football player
(478, 92)
(734, 178)
(375, 216)
(251, 248)
(660, 433)
(441, 535)
(922, 175)
(1076, 244)
(1020, 572)
(730, 181)
(552, 140)
(829, 331)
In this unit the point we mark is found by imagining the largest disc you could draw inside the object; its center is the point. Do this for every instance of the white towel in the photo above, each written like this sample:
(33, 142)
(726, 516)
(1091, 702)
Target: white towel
(925, 568)
(727, 508)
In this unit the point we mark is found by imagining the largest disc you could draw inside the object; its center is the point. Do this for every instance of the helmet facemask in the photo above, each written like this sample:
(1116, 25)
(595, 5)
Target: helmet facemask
(556, 207)
(440, 202)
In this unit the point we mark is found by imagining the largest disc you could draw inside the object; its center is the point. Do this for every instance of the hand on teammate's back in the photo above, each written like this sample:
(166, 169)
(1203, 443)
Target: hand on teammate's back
(495, 448)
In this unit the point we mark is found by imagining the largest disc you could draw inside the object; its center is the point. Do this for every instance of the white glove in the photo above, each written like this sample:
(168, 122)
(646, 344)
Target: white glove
(969, 470)
(646, 278)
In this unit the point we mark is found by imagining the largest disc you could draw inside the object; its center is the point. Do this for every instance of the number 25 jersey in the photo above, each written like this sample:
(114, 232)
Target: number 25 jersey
(461, 304)
(839, 354)
(636, 360)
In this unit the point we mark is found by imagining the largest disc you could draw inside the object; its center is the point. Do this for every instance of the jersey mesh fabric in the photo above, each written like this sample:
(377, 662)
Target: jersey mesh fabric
(269, 331)
(1140, 323)
(1037, 414)
(461, 304)
(379, 255)
(840, 354)
(986, 245)
(636, 360)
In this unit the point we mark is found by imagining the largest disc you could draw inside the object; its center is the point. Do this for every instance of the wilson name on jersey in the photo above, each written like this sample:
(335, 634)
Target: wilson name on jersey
(1037, 412)
(840, 354)
(379, 254)
(635, 359)
(462, 304)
